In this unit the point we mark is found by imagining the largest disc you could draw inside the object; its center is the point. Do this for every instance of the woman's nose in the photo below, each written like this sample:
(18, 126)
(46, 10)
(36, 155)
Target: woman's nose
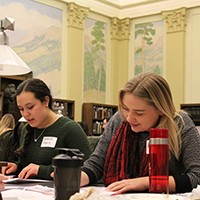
(127, 116)
(25, 113)
(130, 117)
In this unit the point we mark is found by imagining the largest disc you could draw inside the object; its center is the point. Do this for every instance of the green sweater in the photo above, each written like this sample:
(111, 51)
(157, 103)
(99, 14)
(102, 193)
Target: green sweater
(64, 133)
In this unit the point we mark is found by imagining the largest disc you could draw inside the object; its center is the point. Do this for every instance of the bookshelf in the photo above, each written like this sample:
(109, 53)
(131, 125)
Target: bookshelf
(93, 115)
(64, 107)
(193, 109)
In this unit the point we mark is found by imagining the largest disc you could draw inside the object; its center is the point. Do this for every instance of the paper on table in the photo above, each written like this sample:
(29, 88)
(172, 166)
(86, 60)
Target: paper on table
(19, 194)
(195, 195)
(99, 193)
(18, 180)
(36, 188)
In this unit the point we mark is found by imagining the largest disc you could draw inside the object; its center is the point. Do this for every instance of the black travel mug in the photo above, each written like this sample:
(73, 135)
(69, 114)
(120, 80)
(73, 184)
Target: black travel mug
(67, 172)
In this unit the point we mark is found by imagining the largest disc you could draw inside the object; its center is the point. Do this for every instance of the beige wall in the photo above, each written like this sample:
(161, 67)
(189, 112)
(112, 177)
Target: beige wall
(192, 69)
(181, 57)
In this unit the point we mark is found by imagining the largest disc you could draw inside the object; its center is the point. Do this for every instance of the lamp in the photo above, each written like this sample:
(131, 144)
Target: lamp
(10, 63)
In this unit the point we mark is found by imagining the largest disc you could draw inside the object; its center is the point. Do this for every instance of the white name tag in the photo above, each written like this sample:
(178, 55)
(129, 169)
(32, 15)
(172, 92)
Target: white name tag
(49, 142)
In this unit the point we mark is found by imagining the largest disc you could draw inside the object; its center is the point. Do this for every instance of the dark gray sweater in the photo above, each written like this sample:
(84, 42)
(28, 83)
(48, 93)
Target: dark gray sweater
(186, 170)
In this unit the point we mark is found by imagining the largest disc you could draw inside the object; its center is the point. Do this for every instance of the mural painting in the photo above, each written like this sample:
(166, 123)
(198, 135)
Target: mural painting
(37, 38)
(95, 61)
(149, 47)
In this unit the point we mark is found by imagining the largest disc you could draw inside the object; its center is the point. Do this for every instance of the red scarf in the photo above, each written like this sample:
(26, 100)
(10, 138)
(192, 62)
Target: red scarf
(123, 160)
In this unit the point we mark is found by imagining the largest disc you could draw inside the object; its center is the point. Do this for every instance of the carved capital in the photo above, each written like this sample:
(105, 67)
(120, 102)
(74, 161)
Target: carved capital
(77, 15)
(120, 28)
(175, 20)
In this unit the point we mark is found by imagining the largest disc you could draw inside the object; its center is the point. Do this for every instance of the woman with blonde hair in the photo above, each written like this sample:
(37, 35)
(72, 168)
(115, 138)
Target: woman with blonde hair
(7, 125)
(120, 157)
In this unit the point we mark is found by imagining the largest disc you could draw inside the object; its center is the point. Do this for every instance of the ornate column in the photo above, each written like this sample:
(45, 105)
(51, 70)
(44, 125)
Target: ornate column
(175, 52)
(175, 20)
(120, 28)
(120, 32)
(76, 16)
(75, 55)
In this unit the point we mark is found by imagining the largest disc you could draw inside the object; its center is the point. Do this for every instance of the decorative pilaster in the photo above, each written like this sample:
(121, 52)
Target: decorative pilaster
(175, 52)
(175, 20)
(120, 28)
(77, 15)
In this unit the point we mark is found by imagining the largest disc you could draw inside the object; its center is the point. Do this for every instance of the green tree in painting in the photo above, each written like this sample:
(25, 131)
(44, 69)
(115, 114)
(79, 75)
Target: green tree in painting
(95, 75)
(145, 31)
(89, 72)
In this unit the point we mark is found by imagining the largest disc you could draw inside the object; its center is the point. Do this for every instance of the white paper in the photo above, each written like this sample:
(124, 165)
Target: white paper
(20, 194)
(18, 180)
(36, 192)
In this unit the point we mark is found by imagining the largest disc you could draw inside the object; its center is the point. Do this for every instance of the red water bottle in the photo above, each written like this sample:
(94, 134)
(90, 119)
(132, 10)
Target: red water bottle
(159, 158)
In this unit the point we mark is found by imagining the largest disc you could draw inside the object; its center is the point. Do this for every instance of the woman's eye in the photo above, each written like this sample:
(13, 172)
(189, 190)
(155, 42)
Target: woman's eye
(139, 113)
(125, 109)
(30, 107)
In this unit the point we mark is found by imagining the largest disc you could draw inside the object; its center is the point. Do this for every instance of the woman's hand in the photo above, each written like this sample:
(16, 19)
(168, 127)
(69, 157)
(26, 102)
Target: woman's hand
(2, 177)
(134, 184)
(52, 174)
(84, 179)
(28, 171)
(10, 168)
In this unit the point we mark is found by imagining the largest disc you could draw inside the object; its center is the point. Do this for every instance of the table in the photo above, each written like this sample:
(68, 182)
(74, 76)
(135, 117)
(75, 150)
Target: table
(101, 193)
(29, 191)
(38, 192)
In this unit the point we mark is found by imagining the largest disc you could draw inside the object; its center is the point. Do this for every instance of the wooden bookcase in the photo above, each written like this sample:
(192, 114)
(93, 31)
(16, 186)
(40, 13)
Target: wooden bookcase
(93, 115)
(64, 107)
(193, 109)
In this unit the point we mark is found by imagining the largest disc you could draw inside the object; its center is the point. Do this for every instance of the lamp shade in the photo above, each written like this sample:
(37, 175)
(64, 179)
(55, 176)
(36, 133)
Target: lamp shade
(10, 63)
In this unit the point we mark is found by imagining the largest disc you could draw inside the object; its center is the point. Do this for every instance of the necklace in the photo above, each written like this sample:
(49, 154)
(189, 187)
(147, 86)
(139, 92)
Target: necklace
(37, 138)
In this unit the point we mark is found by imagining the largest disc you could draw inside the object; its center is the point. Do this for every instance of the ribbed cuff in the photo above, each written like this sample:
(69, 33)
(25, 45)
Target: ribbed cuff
(183, 183)
(90, 174)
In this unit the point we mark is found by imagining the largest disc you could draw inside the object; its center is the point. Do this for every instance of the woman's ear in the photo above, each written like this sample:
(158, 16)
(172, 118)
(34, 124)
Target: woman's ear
(46, 101)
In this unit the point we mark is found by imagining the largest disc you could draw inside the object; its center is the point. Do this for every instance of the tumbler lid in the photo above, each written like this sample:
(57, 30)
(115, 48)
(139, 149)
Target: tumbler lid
(159, 133)
(68, 158)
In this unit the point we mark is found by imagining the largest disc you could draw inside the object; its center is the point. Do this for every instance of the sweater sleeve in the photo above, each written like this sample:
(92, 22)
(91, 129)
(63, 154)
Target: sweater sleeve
(45, 172)
(189, 178)
(93, 167)
(183, 183)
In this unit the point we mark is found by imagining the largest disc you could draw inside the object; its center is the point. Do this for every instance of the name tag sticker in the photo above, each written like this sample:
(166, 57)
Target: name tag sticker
(49, 142)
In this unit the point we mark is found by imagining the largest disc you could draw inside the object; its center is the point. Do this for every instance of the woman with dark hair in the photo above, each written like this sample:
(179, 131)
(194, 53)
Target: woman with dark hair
(44, 132)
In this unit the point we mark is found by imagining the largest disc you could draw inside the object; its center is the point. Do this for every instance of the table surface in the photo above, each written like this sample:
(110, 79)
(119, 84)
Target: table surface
(44, 191)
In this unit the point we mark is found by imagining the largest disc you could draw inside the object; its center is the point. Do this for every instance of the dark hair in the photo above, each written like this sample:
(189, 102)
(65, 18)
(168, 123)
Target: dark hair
(40, 90)
(37, 87)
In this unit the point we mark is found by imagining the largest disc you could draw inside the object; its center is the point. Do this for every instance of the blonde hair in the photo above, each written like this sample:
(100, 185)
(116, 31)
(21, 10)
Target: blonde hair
(155, 90)
(7, 122)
